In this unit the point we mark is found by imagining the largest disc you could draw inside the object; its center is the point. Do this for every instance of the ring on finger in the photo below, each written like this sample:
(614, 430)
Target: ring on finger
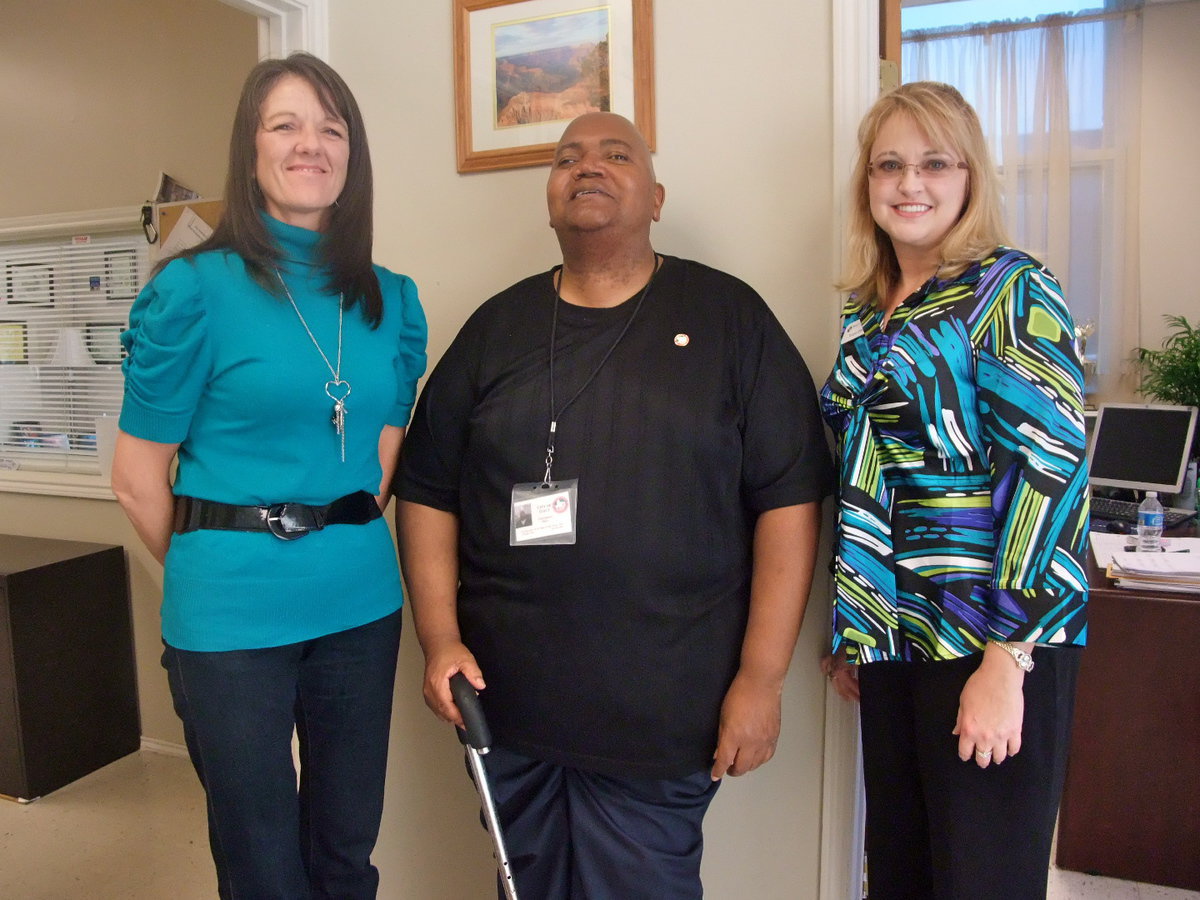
(983, 754)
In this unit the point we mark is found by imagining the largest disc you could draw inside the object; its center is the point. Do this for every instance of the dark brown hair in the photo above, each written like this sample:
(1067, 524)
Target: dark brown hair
(344, 249)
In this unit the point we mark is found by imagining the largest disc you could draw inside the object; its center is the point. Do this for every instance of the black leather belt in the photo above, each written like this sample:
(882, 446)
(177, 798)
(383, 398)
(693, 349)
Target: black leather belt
(287, 521)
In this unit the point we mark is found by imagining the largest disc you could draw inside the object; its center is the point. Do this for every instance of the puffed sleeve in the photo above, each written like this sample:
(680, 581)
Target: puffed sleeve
(169, 359)
(1031, 405)
(400, 294)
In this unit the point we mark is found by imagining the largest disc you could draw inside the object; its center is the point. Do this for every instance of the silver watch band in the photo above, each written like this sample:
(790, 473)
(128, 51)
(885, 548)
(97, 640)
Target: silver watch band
(1023, 660)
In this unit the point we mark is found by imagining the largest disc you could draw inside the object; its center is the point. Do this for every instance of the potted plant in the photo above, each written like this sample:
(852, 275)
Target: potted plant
(1172, 375)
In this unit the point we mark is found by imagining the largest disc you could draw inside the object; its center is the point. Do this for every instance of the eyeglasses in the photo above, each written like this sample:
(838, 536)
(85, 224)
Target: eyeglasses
(929, 169)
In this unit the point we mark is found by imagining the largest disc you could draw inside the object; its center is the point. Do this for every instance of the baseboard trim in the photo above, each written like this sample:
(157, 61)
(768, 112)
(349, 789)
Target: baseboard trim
(166, 748)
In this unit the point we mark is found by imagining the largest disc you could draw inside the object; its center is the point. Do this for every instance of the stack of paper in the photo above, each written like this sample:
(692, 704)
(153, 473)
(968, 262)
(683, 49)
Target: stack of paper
(1175, 569)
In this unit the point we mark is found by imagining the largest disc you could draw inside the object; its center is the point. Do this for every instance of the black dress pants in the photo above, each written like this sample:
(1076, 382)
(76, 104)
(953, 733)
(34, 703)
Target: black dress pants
(941, 828)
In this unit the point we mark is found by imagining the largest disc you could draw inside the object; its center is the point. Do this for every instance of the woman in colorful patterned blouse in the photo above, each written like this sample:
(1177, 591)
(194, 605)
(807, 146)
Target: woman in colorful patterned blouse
(956, 400)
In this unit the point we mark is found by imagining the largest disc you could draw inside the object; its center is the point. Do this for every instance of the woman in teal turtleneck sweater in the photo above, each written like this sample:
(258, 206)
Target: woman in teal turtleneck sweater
(279, 366)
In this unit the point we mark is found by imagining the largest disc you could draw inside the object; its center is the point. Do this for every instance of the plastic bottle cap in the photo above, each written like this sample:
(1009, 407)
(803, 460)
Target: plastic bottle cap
(1152, 494)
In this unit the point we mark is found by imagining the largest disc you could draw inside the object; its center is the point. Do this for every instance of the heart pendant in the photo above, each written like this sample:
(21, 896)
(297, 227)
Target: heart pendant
(337, 391)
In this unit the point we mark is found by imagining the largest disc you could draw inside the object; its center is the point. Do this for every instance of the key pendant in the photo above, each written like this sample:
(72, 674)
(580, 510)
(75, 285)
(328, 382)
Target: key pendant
(339, 424)
(338, 419)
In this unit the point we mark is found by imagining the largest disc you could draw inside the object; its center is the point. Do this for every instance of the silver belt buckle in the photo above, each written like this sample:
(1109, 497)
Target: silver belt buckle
(283, 523)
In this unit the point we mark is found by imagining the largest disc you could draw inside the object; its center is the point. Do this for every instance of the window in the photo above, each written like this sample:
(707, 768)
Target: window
(63, 306)
(1057, 94)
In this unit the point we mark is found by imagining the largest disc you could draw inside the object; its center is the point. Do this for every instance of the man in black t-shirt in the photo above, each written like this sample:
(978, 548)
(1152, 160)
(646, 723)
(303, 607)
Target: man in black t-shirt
(610, 503)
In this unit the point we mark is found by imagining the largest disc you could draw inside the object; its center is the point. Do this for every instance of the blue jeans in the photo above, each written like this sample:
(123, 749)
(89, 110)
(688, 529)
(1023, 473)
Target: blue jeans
(572, 834)
(269, 840)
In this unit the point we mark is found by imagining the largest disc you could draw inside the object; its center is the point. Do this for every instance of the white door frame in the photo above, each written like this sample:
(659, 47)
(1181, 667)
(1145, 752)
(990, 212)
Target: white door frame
(288, 25)
(855, 77)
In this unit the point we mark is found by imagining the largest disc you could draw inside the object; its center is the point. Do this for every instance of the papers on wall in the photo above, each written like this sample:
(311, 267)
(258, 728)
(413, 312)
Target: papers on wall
(171, 191)
(188, 232)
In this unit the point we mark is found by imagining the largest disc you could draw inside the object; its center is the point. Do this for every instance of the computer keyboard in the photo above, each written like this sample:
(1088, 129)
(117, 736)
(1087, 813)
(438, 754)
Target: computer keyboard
(1127, 511)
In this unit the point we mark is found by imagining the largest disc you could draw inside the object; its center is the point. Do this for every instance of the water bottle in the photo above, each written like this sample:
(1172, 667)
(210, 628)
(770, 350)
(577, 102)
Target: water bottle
(1150, 524)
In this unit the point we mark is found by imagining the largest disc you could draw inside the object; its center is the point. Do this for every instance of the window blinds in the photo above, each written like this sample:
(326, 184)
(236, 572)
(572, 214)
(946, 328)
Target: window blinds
(63, 306)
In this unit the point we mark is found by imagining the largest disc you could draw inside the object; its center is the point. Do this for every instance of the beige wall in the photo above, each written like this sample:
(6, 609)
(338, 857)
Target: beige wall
(1170, 182)
(85, 140)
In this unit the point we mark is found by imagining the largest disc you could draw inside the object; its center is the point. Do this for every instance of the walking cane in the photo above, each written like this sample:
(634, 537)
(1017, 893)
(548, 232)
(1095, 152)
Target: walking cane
(478, 740)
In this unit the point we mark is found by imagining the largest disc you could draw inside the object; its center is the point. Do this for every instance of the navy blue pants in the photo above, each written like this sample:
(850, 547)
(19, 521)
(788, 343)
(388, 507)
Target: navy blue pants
(939, 828)
(578, 835)
(269, 840)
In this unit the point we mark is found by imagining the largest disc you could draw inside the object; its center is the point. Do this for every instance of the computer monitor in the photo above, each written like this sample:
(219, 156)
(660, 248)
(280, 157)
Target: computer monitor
(1141, 446)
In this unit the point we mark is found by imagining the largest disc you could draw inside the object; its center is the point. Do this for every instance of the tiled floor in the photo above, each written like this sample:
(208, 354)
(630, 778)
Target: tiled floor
(1076, 886)
(135, 831)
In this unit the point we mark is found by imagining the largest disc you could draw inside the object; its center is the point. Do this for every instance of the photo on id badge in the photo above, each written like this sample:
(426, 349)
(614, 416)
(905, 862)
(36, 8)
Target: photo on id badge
(543, 513)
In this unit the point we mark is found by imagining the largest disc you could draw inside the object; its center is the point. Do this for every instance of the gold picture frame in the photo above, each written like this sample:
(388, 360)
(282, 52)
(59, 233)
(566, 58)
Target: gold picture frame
(524, 68)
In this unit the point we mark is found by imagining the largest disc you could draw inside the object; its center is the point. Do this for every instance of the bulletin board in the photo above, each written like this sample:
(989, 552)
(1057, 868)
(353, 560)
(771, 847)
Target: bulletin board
(187, 211)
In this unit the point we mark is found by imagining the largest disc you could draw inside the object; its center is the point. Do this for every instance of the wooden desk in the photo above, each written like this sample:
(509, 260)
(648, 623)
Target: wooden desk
(68, 695)
(1131, 805)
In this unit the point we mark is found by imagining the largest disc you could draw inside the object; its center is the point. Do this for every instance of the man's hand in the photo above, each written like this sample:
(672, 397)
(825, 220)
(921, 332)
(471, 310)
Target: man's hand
(441, 663)
(749, 726)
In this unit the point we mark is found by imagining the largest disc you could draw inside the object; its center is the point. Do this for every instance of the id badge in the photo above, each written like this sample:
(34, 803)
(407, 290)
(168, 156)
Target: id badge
(543, 513)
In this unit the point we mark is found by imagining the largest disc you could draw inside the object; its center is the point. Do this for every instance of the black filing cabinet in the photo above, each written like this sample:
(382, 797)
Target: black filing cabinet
(68, 691)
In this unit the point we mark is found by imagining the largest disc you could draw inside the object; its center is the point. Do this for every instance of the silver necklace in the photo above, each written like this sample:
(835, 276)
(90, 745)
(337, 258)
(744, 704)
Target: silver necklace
(336, 389)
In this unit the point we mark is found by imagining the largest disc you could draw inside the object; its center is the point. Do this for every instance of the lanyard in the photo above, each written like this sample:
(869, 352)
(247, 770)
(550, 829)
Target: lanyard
(554, 417)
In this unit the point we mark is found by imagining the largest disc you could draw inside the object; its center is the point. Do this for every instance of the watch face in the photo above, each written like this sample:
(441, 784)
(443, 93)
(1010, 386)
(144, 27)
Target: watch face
(1023, 660)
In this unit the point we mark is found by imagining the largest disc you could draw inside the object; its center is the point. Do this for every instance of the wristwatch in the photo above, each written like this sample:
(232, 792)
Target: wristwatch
(1024, 660)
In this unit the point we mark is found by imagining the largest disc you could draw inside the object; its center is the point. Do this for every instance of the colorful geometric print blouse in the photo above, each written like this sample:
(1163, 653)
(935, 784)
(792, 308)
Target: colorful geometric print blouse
(963, 497)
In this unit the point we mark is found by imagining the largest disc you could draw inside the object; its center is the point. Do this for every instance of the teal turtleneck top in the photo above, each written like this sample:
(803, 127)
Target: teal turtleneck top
(227, 370)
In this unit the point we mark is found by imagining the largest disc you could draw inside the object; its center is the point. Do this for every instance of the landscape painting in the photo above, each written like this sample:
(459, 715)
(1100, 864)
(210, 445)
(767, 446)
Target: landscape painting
(552, 68)
(524, 68)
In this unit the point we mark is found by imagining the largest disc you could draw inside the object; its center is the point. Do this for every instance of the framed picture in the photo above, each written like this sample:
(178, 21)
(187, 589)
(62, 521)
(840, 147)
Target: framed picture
(103, 341)
(30, 283)
(524, 68)
(120, 274)
(14, 348)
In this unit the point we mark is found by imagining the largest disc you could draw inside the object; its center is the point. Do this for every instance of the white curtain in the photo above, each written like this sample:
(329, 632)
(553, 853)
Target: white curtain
(1058, 99)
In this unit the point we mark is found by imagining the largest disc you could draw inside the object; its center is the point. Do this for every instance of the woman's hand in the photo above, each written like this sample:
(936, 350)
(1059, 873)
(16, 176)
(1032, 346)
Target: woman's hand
(842, 674)
(991, 710)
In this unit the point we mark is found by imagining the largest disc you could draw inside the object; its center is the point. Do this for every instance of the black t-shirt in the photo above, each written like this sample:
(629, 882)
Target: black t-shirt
(614, 653)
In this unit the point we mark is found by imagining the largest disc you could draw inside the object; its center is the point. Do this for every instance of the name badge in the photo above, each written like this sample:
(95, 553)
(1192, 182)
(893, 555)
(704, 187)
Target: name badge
(543, 513)
(852, 332)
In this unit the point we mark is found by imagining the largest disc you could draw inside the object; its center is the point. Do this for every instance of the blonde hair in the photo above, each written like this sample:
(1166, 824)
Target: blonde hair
(941, 113)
